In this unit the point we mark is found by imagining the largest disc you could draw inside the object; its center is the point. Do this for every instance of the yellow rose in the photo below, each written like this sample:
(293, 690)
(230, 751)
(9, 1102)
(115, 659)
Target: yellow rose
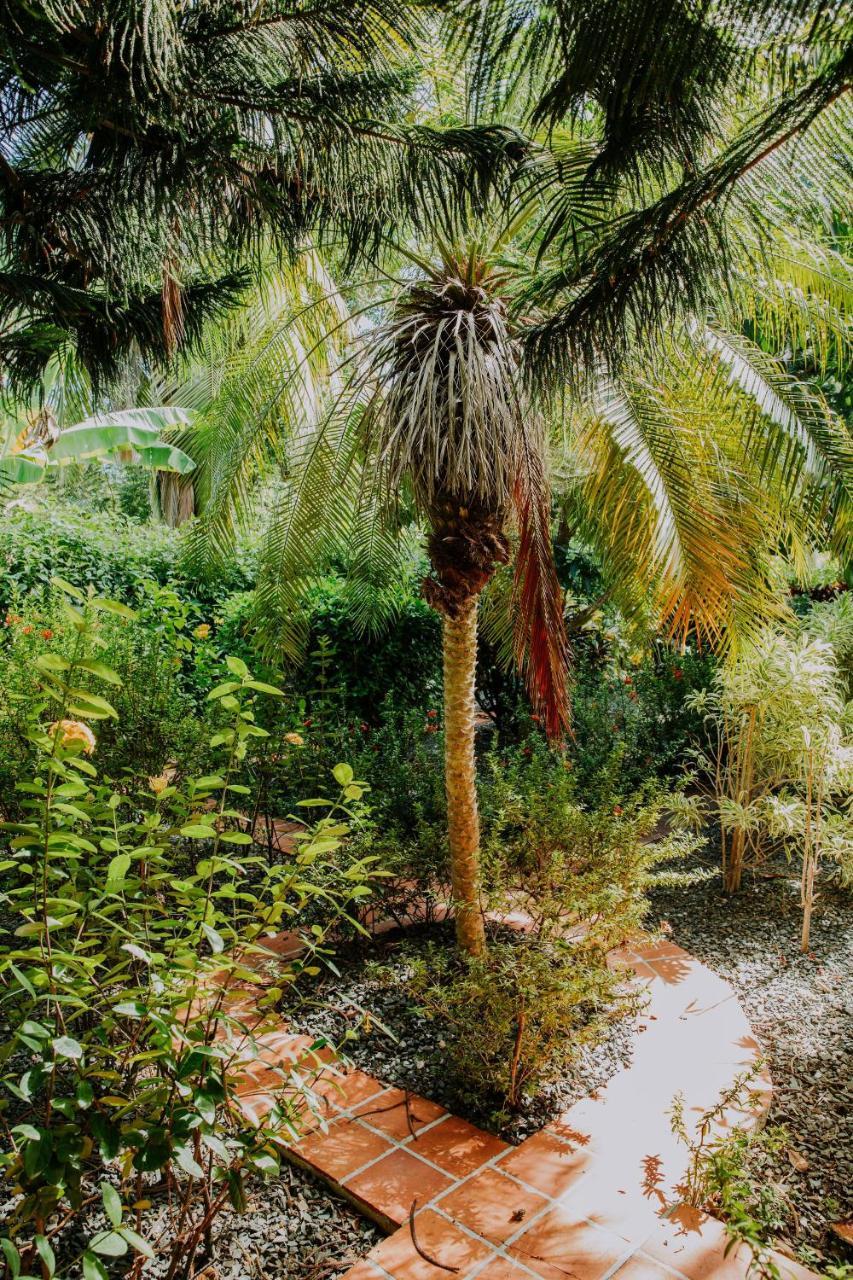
(202, 631)
(158, 784)
(635, 658)
(295, 739)
(71, 732)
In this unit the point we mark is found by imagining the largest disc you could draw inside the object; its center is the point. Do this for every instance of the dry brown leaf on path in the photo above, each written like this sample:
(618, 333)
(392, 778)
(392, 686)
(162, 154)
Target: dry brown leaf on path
(797, 1160)
(844, 1231)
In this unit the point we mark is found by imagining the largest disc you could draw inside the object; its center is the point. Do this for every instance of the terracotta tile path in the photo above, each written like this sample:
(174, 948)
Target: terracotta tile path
(585, 1197)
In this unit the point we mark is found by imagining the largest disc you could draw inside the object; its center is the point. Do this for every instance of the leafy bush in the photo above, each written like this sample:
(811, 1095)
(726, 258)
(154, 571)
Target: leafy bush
(347, 674)
(114, 552)
(516, 1016)
(781, 760)
(132, 918)
(159, 663)
(567, 865)
(632, 715)
(519, 1014)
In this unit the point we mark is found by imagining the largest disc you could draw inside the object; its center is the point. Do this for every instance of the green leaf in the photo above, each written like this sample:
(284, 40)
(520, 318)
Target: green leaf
(264, 688)
(92, 705)
(93, 1268)
(130, 1009)
(52, 662)
(136, 1242)
(23, 980)
(221, 690)
(195, 831)
(266, 1163)
(185, 1160)
(117, 870)
(343, 774)
(114, 606)
(237, 667)
(217, 944)
(66, 1047)
(101, 670)
(112, 1203)
(13, 1258)
(235, 837)
(206, 1106)
(68, 588)
(109, 1243)
(28, 1131)
(46, 1254)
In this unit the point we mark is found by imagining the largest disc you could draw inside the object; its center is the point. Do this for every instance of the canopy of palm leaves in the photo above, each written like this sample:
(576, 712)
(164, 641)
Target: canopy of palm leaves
(670, 126)
(688, 469)
(150, 149)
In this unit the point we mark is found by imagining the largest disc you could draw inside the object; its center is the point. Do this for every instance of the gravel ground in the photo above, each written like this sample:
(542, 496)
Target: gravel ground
(801, 1009)
(294, 1228)
(370, 1000)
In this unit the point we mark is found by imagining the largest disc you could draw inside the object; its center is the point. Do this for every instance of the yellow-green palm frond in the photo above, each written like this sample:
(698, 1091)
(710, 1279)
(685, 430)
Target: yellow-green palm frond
(690, 473)
(310, 528)
(263, 386)
(669, 520)
(797, 293)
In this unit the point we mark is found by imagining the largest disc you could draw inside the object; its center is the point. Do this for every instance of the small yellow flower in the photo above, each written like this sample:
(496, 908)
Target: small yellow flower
(158, 784)
(295, 739)
(202, 631)
(72, 732)
(636, 658)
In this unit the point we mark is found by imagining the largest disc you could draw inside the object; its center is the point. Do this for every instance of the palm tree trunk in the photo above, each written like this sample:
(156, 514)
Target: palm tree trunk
(463, 820)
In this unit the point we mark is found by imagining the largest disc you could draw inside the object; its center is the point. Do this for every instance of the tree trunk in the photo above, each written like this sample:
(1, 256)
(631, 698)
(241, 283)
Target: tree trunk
(463, 820)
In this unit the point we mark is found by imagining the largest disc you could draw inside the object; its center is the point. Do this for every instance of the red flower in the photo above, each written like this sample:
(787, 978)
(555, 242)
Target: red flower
(432, 714)
(306, 724)
(628, 680)
(677, 673)
(365, 727)
(617, 809)
(47, 633)
(27, 630)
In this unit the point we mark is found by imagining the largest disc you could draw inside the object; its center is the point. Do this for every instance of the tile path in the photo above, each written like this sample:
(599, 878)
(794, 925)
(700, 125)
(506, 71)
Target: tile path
(585, 1197)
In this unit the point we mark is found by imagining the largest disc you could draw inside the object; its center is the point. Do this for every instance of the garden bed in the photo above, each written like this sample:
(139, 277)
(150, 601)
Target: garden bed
(389, 1036)
(801, 1010)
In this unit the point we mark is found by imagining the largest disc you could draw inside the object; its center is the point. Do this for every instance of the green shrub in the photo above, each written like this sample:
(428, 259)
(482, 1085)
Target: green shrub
(518, 1015)
(567, 864)
(780, 763)
(128, 918)
(160, 663)
(514, 1018)
(634, 707)
(114, 552)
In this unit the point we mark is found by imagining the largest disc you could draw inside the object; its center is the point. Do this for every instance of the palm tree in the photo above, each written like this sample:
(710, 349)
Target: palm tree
(150, 153)
(687, 471)
(447, 416)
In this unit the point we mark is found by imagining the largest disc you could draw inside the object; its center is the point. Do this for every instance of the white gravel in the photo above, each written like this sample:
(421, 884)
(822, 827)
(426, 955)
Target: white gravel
(801, 1009)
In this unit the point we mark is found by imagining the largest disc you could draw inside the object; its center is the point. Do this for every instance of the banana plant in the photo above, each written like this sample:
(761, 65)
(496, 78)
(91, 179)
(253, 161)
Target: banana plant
(129, 435)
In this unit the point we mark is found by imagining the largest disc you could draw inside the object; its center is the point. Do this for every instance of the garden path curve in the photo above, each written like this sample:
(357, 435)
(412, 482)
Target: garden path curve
(585, 1197)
